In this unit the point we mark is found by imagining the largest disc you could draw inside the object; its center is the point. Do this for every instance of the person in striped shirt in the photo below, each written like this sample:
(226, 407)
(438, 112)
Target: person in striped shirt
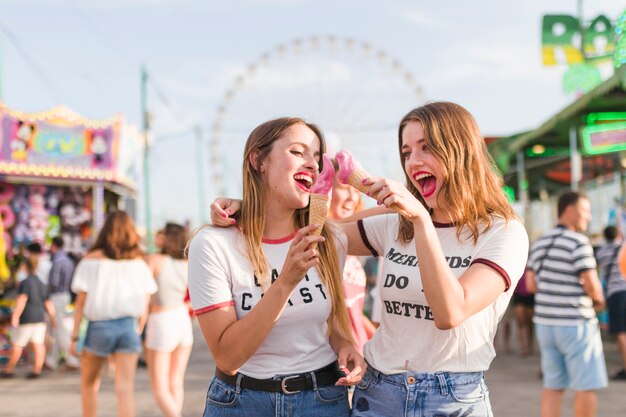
(568, 294)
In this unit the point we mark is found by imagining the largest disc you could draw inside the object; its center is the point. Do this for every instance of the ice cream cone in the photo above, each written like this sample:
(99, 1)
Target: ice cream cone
(356, 180)
(318, 209)
(351, 172)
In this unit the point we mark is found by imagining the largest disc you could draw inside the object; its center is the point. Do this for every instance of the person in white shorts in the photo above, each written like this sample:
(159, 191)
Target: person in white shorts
(31, 305)
(169, 335)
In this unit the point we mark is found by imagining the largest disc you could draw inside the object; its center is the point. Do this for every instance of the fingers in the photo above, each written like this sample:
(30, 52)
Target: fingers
(381, 188)
(306, 256)
(303, 254)
(352, 377)
(219, 216)
(220, 213)
(304, 232)
(349, 357)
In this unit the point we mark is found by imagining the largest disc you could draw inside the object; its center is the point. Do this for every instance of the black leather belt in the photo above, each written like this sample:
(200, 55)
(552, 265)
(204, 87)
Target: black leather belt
(290, 384)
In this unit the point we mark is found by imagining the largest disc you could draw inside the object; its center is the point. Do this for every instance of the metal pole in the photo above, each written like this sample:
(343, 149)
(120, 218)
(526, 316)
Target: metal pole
(575, 159)
(1, 62)
(98, 206)
(622, 184)
(146, 159)
(522, 187)
(581, 27)
(200, 174)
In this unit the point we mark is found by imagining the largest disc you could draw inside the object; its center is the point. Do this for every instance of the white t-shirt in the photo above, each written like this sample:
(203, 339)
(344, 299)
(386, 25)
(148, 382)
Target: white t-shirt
(115, 288)
(220, 275)
(407, 339)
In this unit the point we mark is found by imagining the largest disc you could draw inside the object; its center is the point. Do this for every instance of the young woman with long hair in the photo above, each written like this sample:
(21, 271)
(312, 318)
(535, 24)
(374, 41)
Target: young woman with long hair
(169, 334)
(267, 293)
(113, 285)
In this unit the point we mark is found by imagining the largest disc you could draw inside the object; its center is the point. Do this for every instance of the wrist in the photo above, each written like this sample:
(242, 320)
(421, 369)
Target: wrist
(285, 284)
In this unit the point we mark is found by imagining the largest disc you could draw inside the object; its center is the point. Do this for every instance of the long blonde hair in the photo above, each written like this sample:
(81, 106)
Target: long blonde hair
(471, 190)
(252, 216)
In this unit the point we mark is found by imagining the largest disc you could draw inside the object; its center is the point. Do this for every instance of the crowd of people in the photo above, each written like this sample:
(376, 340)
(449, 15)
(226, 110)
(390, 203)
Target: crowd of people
(115, 289)
(280, 302)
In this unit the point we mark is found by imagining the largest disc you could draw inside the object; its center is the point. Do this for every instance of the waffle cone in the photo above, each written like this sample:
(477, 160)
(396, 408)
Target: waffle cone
(356, 178)
(318, 209)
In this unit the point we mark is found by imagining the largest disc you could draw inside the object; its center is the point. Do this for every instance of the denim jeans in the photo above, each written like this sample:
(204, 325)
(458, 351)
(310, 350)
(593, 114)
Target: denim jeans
(105, 337)
(227, 400)
(413, 394)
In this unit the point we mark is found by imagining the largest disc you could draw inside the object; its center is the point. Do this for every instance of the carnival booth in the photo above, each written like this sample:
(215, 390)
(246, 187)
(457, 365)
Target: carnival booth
(60, 173)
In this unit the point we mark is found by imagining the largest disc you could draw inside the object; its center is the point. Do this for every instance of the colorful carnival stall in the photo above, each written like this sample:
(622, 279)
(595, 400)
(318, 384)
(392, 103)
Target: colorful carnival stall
(60, 173)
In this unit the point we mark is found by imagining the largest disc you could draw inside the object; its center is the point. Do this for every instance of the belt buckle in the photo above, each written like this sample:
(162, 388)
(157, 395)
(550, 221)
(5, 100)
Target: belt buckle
(283, 384)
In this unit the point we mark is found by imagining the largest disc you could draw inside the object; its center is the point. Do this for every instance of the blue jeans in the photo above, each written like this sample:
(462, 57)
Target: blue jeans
(105, 337)
(227, 400)
(415, 394)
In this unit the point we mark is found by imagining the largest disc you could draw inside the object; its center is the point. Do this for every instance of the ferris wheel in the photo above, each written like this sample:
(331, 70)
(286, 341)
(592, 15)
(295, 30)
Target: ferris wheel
(355, 92)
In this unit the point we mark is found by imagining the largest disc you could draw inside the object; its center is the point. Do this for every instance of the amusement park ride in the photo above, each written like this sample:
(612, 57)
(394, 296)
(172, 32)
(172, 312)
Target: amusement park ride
(356, 92)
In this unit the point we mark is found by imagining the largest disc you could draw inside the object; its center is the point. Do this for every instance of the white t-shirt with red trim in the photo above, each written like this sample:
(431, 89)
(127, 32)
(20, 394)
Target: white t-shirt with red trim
(407, 339)
(220, 275)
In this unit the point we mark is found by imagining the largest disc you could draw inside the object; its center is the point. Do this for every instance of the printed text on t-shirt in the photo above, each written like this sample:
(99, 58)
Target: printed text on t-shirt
(305, 293)
(411, 260)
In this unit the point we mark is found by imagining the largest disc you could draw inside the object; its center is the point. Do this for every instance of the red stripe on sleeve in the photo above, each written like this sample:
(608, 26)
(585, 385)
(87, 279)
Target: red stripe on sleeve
(497, 268)
(214, 307)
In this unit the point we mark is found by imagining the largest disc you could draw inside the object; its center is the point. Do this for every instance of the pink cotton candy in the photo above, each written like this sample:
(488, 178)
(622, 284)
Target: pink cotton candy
(324, 183)
(347, 164)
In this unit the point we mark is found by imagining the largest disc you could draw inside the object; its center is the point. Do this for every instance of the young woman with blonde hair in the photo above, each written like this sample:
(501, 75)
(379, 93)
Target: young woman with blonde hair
(452, 256)
(113, 286)
(267, 293)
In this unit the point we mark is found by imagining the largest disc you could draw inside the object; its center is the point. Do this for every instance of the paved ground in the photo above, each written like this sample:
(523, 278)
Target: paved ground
(514, 383)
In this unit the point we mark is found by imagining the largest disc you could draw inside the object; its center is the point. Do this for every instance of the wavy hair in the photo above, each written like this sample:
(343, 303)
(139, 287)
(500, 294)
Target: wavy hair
(252, 216)
(471, 191)
(174, 242)
(118, 238)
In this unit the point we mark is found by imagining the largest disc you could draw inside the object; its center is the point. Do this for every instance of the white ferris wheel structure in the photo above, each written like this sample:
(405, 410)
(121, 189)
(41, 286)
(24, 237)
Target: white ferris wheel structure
(355, 92)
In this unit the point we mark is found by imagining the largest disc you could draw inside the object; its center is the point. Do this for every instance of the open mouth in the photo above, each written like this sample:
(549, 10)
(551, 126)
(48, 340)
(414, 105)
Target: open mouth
(427, 183)
(304, 181)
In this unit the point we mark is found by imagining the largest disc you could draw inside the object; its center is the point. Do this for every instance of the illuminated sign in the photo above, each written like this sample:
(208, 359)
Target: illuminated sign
(41, 142)
(604, 138)
(561, 40)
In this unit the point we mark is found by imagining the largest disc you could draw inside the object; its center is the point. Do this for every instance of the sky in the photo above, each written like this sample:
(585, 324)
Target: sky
(358, 68)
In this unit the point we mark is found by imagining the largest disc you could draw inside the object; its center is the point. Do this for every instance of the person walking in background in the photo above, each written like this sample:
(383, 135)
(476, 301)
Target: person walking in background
(615, 288)
(267, 294)
(562, 274)
(34, 249)
(59, 281)
(345, 201)
(523, 308)
(169, 335)
(28, 319)
(113, 285)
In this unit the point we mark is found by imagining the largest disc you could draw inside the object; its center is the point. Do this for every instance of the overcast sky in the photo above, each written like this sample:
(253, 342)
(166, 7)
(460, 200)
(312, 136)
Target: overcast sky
(485, 55)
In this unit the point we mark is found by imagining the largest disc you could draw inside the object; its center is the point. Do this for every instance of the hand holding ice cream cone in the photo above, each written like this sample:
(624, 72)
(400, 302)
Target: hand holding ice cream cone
(352, 172)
